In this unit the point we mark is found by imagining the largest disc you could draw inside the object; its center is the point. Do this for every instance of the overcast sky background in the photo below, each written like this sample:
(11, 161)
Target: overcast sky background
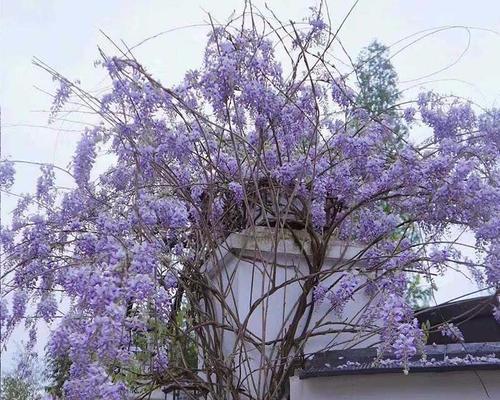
(65, 35)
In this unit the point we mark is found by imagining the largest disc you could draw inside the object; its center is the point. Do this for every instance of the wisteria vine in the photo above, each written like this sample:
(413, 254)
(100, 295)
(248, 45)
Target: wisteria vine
(266, 133)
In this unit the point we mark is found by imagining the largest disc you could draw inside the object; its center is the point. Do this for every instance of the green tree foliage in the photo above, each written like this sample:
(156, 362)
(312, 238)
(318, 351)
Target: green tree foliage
(24, 382)
(14, 388)
(378, 80)
(57, 373)
(419, 295)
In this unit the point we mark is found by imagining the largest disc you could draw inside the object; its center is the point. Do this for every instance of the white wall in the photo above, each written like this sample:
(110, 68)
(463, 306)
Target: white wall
(464, 385)
(246, 277)
(159, 395)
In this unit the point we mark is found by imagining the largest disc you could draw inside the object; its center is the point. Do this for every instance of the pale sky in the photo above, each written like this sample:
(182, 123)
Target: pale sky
(65, 34)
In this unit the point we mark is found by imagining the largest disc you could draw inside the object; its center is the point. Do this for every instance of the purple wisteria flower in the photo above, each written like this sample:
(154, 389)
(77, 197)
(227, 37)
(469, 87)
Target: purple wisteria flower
(264, 136)
(409, 114)
(7, 172)
(452, 331)
(496, 313)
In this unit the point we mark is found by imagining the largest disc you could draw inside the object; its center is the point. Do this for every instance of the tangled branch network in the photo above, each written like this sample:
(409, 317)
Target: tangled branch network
(266, 136)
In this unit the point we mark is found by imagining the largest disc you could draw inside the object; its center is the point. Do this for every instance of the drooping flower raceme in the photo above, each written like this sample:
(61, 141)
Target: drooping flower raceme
(452, 331)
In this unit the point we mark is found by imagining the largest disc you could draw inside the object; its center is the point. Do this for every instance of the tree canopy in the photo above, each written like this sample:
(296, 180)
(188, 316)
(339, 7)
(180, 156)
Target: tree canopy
(377, 80)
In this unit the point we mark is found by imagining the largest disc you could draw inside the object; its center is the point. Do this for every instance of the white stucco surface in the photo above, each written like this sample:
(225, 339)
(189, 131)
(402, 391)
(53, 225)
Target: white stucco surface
(249, 265)
(464, 385)
(243, 271)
